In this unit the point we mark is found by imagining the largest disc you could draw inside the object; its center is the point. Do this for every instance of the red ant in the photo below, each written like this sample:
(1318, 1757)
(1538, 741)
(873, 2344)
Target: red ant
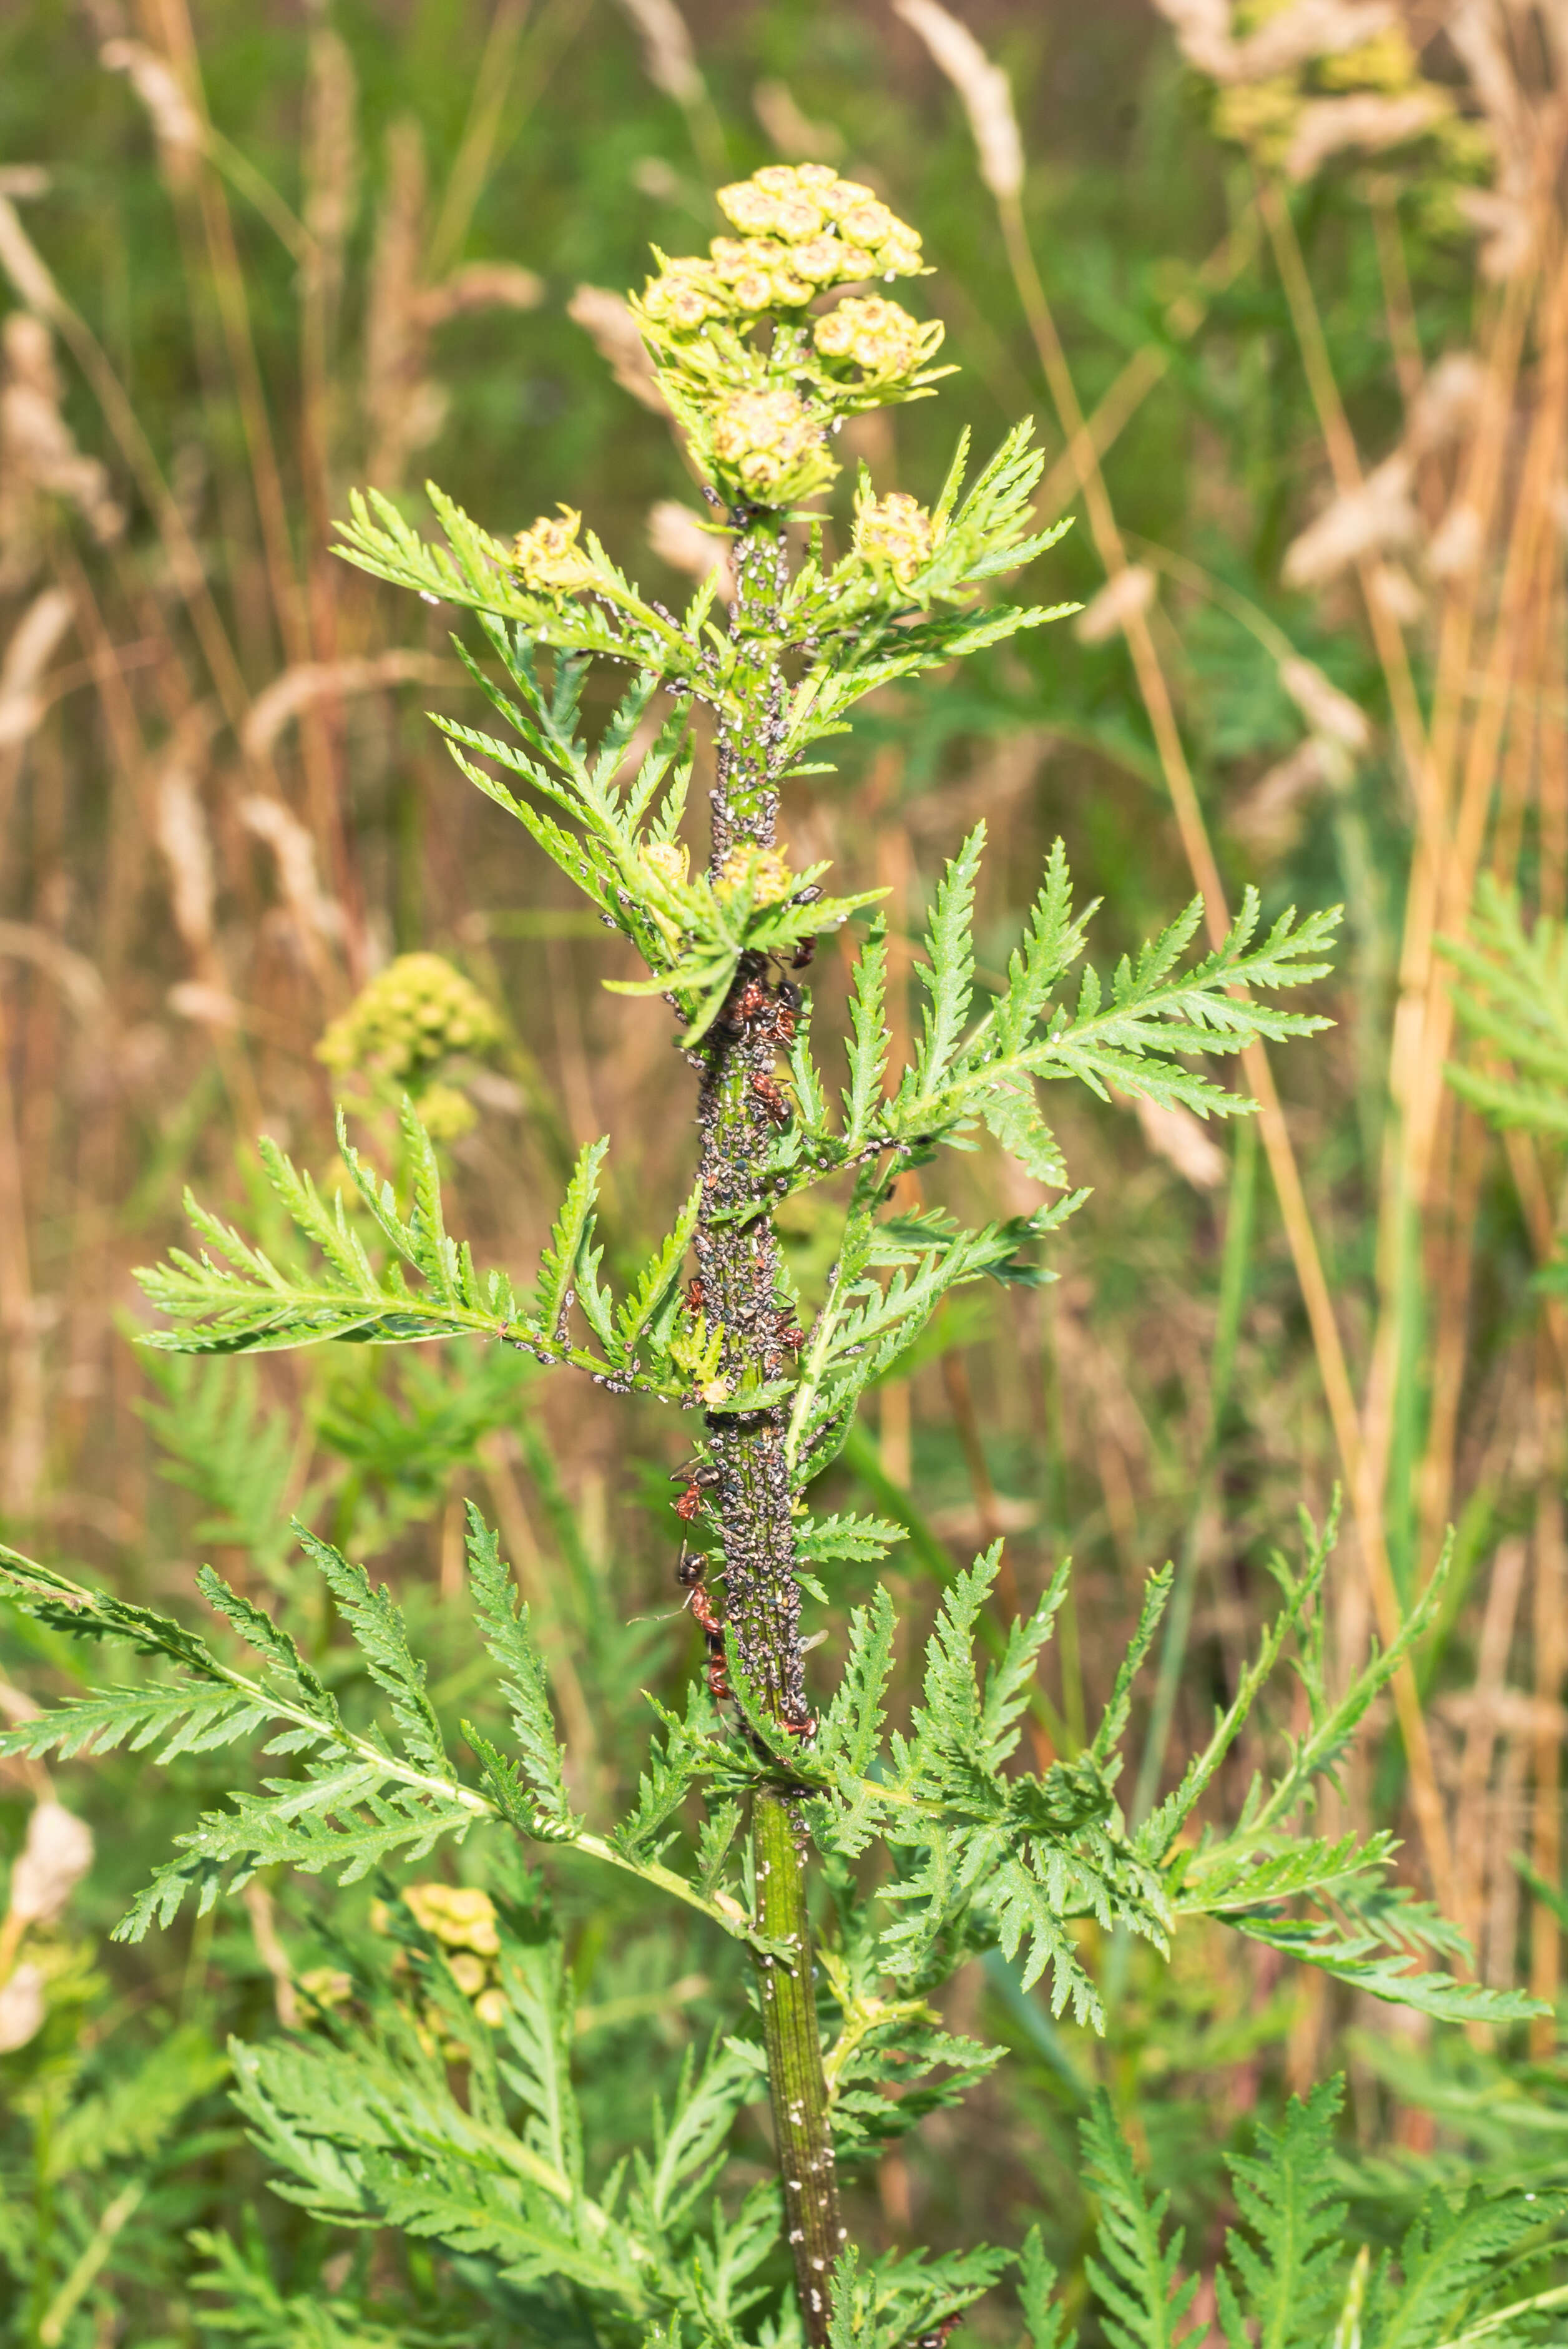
(771, 1094)
(694, 1295)
(787, 1331)
(698, 1480)
(689, 1573)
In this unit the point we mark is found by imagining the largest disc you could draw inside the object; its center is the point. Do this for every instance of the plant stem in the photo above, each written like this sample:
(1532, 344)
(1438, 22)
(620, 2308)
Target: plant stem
(738, 1266)
(795, 2077)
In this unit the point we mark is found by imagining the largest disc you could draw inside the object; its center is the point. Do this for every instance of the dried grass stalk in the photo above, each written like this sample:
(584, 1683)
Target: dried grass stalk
(301, 688)
(180, 826)
(1371, 518)
(28, 655)
(1268, 820)
(176, 125)
(985, 88)
(1333, 717)
(315, 914)
(678, 537)
(1174, 1134)
(668, 54)
(57, 1855)
(331, 144)
(1121, 599)
(1367, 120)
(39, 455)
(605, 318)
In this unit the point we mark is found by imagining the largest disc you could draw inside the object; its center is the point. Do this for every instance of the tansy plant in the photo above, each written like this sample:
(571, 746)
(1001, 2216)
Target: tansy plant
(858, 1868)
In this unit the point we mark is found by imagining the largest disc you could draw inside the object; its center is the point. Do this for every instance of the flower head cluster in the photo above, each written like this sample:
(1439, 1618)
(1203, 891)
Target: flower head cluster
(896, 533)
(763, 440)
(767, 872)
(414, 1015)
(804, 229)
(878, 335)
(462, 1920)
(756, 381)
(548, 555)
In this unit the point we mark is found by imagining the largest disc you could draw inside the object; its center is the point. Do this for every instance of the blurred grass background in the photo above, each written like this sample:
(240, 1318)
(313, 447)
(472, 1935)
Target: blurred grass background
(251, 255)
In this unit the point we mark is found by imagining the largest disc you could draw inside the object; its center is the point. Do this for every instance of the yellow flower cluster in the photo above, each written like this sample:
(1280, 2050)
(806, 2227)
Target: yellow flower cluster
(806, 206)
(761, 436)
(462, 1920)
(804, 229)
(876, 335)
(413, 1015)
(771, 878)
(549, 556)
(895, 530)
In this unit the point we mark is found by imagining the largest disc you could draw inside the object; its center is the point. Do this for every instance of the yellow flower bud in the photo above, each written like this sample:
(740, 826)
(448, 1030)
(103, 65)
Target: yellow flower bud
(753, 211)
(868, 223)
(549, 556)
(669, 859)
(759, 435)
(895, 531)
(796, 217)
(877, 334)
(771, 878)
(820, 259)
(471, 1974)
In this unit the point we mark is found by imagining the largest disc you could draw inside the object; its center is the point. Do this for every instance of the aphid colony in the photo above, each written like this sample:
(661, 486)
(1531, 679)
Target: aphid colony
(756, 1014)
(691, 1573)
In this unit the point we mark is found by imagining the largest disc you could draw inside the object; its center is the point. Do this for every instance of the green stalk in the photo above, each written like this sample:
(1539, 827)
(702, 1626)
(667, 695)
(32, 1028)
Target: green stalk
(795, 2082)
(737, 1251)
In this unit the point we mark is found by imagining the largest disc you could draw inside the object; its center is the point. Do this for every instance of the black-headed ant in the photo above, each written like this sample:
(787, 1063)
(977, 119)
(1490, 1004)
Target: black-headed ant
(698, 1480)
(690, 1573)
